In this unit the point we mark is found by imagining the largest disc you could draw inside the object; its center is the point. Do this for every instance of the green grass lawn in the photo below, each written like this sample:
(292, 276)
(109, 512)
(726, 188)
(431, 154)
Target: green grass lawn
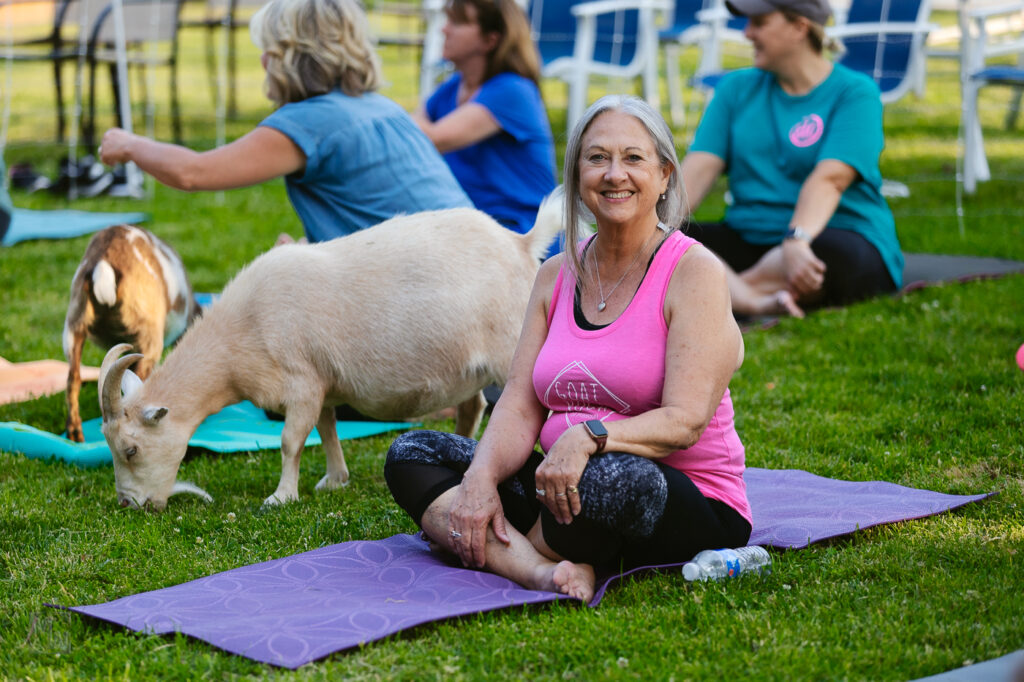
(920, 390)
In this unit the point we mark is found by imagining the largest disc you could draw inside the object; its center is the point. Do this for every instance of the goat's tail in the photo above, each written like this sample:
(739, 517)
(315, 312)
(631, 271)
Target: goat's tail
(104, 284)
(548, 224)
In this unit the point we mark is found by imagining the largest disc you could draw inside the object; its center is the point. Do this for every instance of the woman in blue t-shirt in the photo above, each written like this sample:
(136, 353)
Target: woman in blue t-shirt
(799, 138)
(351, 158)
(488, 119)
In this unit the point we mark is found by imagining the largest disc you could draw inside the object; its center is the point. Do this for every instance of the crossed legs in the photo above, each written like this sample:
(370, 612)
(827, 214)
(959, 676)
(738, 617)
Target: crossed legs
(757, 276)
(526, 559)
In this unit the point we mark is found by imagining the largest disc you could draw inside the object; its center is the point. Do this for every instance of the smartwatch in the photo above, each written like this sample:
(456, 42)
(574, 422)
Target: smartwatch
(597, 431)
(798, 233)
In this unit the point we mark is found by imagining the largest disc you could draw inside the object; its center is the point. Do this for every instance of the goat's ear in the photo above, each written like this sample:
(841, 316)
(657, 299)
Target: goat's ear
(151, 414)
(130, 383)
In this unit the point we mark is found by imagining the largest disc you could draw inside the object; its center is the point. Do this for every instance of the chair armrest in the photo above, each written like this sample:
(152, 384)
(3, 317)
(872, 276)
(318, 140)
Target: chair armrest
(879, 28)
(995, 10)
(597, 7)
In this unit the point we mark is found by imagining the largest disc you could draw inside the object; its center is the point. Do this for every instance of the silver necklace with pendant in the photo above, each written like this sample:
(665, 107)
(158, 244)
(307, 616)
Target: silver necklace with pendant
(597, 271)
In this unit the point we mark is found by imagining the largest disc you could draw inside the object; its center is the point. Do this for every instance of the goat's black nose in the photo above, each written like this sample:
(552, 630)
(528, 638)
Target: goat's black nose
(125, 502)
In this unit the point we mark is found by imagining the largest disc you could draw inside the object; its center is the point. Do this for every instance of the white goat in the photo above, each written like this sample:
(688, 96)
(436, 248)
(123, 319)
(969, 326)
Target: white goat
(130, 287)
(398, 320)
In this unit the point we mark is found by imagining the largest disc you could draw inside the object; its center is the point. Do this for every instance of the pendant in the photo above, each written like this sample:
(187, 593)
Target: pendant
(601, 306)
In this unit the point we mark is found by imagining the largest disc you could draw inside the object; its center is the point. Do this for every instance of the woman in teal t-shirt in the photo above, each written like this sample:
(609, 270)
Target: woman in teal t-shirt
(799, 138)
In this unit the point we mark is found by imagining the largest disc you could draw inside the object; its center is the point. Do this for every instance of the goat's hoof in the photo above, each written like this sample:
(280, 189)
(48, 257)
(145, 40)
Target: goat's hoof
(332, 481)
(75, 434)
(278, 499)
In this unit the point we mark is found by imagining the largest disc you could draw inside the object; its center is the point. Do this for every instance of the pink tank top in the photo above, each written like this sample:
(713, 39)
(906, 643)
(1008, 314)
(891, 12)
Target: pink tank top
(619, 371)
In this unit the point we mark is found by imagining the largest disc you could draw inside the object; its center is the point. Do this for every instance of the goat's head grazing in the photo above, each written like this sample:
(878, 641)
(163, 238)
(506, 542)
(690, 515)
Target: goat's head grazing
(146, 443)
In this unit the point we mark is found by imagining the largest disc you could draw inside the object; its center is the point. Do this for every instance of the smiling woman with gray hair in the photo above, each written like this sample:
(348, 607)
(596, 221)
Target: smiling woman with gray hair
(799, 138)
(351, 158)
(621, 372)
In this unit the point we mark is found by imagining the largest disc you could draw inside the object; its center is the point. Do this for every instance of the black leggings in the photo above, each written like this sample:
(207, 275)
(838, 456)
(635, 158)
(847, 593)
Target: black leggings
(854, 270)
(635, 511)
(5, 218)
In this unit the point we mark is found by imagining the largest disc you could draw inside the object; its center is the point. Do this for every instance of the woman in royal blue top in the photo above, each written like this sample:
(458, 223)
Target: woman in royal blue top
(799, 138)
(488, 119)
(351, 158)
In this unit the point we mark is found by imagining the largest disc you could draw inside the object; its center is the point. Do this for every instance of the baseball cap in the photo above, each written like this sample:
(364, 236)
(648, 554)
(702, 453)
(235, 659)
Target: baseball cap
(817, 11)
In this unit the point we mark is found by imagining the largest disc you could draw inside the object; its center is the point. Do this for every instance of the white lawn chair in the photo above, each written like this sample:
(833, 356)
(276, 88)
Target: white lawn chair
(706, 24)
(988, 33)
(576, 40)
(612, 38)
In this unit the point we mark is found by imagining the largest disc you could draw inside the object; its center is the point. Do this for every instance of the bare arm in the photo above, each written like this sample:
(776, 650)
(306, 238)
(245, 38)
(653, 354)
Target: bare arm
(817, 202)
(468, 124)
(820, 194)
(510, 435)
(699, 170)
(703, 349)
(260, 155)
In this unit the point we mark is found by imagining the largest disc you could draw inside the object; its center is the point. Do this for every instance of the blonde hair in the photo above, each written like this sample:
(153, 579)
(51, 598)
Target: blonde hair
(816, 36)
(671, 210)
(314, 46)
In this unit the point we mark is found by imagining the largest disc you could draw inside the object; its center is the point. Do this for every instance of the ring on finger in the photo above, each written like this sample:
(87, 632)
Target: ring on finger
(541, 493)
(573, 489)
(559, 494)
(455, 533)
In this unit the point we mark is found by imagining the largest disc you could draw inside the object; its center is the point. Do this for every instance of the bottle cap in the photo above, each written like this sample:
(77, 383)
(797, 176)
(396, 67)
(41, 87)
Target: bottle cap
(691, 571)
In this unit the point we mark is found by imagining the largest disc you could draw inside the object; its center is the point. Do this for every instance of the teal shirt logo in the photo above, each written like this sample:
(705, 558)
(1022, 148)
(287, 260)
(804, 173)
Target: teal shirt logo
(808, 131)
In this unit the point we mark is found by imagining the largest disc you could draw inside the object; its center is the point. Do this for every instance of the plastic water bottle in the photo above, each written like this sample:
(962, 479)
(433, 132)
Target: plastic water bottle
(715, 564)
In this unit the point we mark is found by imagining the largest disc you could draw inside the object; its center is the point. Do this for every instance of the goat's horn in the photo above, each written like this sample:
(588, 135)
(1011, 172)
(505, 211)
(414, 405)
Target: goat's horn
(111, 371)
(108, 361)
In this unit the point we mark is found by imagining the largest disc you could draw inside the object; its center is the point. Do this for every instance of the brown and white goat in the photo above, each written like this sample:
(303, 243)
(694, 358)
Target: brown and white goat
(131, 288)
(404, 318)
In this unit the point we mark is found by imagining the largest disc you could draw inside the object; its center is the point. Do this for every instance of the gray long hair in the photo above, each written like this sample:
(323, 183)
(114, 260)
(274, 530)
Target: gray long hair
(671, 210)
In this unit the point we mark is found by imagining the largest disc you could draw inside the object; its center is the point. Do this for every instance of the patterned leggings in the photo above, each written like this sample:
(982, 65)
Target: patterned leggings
(635, 511)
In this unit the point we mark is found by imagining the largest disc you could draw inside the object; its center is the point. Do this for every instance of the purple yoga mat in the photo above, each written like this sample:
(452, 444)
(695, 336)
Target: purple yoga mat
(297, 609)
(793, 508)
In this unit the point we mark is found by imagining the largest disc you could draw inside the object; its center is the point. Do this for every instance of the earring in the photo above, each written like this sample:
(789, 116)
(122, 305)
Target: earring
(662, 197)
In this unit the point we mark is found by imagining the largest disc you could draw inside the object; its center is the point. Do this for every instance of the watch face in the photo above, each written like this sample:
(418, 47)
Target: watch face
(596, 428)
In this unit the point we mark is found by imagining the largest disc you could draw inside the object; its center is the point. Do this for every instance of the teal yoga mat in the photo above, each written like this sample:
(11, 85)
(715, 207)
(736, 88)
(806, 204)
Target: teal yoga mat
(237, 428)
(61, 224)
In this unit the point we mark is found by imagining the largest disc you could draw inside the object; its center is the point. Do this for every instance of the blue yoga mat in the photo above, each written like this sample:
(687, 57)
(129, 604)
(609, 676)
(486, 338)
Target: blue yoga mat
(28, 224)
(237, 428)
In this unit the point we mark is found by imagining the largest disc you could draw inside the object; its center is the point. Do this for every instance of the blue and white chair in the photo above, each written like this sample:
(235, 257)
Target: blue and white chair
(988, 33)
(885, 39)
(576, 40)
(705, 24)
(612, 38)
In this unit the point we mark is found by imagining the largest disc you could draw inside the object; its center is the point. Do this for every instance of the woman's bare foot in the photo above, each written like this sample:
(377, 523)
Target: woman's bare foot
(575, 580)
(780, 302)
